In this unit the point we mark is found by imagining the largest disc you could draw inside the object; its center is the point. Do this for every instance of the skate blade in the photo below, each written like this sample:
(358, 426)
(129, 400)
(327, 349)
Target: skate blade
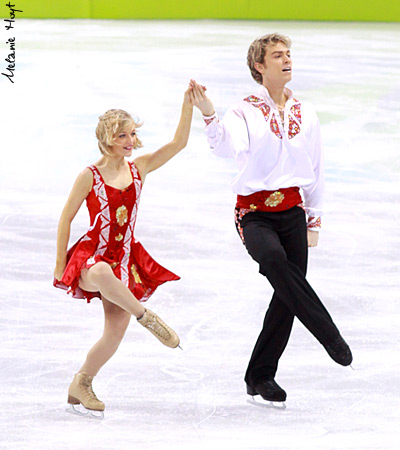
(266, 403)
(80, 410)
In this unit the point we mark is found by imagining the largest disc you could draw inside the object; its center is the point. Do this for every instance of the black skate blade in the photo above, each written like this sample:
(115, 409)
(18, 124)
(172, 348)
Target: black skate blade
(259, 401)
(80, 410)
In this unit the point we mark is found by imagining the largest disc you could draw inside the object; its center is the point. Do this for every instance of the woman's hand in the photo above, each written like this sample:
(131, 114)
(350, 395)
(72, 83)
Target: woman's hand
(200, 100)
(59, 271)
(188, 99)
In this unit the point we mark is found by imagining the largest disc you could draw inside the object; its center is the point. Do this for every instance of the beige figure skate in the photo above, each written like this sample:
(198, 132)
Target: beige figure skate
(81, 392)
(159, 329)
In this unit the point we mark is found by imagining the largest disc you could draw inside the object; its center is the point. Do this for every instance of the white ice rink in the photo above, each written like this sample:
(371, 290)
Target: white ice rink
(67, 74)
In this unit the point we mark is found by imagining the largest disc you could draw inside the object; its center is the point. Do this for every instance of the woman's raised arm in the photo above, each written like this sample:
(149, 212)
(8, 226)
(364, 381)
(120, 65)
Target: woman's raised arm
(152, 161)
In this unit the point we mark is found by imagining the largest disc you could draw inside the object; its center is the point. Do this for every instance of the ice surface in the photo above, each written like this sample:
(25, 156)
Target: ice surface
(67, 74)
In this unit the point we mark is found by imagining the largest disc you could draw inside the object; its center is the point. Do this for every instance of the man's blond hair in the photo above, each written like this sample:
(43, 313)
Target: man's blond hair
(257, 49)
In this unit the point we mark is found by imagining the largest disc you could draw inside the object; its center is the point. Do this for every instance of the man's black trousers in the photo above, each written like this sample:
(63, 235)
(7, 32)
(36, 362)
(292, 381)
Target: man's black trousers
(277, 241)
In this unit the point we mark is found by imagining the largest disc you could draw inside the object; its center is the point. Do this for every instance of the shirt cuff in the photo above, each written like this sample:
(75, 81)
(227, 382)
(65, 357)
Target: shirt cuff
(209, 119)
(314, 223)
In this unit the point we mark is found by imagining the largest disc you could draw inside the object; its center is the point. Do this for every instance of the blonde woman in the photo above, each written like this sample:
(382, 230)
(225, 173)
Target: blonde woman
(107, 262)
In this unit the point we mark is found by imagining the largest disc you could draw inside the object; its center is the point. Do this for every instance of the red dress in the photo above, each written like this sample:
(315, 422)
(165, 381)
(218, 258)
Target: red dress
(110, 238)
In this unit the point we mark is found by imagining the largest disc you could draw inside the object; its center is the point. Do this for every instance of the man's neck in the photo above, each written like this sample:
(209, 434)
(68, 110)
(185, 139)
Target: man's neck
(277, 93)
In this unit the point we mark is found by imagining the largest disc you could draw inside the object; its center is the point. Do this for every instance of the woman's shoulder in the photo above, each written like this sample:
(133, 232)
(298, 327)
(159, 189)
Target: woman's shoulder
(90, 171)
(85, 179)
(138, 166)
(134, 164)
(87, 172)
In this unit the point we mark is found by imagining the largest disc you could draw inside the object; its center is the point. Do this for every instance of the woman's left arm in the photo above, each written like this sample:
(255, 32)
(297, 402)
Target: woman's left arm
(152, 161)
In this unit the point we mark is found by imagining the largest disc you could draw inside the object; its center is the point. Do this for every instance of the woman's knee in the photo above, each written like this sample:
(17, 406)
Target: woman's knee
(99, 272)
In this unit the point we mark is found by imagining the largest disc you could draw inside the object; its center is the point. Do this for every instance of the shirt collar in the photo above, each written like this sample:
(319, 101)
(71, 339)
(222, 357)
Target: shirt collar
(264, 94)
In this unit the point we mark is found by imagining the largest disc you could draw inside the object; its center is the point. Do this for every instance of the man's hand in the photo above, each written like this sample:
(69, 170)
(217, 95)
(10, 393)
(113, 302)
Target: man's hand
(312, 238)
(201, 100)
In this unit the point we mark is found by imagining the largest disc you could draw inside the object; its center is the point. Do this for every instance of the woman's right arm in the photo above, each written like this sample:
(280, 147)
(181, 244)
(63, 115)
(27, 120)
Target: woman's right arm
(79, 192)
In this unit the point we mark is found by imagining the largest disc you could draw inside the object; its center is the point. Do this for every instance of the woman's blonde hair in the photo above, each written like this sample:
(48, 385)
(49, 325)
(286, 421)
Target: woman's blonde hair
(256, 53)
(111, 123)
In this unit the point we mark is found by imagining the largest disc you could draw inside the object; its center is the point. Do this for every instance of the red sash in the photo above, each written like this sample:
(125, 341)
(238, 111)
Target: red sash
(271, 201)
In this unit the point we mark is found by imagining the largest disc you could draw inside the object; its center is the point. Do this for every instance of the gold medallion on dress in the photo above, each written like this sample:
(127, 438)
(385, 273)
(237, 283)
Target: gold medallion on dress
(135, 274)
(122, 215)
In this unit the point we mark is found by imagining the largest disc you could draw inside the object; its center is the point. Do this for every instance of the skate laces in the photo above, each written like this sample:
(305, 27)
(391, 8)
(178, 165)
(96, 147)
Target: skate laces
(88, 392)
(155, 324)
(159, 329)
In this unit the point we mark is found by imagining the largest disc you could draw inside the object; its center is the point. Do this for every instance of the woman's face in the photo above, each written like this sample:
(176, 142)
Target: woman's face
(124, 142)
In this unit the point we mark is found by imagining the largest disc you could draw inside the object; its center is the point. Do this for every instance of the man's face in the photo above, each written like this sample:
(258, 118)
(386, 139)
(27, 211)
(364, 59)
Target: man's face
(277, 65)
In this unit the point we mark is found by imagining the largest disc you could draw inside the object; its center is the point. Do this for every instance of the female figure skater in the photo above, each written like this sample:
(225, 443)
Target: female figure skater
(275, 140)
(108, 262)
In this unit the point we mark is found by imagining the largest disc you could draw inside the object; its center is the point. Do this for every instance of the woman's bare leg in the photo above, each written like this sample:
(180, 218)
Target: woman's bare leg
(100, 277)
(116, 321)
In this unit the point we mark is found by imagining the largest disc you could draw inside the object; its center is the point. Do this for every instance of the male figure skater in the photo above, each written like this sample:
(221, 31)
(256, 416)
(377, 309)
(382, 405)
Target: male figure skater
(275, 139)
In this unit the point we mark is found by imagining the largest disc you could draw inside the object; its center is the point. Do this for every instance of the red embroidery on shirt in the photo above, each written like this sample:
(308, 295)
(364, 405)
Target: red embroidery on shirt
(293, 128)
(253, 99)
(314, 222)
(275, 127)
(208, 121)
(260, 104)
(296, 111)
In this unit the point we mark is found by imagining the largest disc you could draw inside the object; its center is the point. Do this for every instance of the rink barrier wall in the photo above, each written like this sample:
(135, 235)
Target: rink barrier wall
(318, 10)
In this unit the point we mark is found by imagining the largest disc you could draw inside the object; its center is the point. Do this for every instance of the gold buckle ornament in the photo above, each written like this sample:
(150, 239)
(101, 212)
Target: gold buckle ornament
(274, 199)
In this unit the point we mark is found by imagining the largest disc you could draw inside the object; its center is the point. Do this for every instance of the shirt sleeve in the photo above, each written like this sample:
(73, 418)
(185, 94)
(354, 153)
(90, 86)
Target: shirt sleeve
(313, 193)
(229, 137)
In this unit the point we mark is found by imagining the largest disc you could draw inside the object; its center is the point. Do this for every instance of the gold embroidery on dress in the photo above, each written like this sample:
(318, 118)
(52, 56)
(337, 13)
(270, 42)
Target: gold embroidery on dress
(122, 215)
(119, 237)
(274, 199)
(135, 274)
(253, 207)
(114, 265)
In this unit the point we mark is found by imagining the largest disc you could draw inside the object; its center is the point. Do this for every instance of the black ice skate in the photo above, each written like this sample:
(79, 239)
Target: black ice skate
(339, 351)
(270, 391)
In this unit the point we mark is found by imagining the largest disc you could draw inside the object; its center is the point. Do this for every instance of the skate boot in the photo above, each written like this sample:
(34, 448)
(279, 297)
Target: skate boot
(159, 329)
(269, 390)
(339, 351)
(80, 392)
